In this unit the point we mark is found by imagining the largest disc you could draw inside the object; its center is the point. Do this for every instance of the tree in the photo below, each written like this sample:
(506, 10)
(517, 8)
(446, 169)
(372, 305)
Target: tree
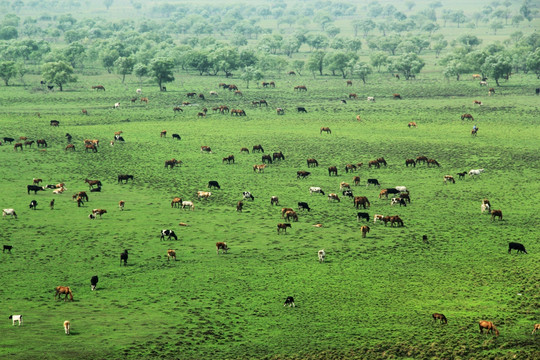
(378, 59)
(226, 59)
(140, 71)
(459, 17)
(390, 44)
(497, 66)
(8, 33)
(108, 57)
(124, 66)
(362, 69)
(533, 62)
(496, 25)
(7, 71)
(298, 66)
(316, 62)
(59, 73)
(408, 64)
(439, 45)
(454, 66)
(162, 70)
(107, 3)
(199, 60)
(517, 19)
(339, 61)
(250, 73)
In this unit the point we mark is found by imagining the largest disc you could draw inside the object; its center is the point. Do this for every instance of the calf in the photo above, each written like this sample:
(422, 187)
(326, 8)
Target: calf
(93, 282)
(221, 246)
(8, 248)
(321, 254)
(169, 233)
(303, 206)
(67, 326)
(516, 246)
(362, 215)
(289, 301)
(16, 318)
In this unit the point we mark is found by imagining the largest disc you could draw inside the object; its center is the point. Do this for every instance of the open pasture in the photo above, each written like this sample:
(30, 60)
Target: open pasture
(371, 298)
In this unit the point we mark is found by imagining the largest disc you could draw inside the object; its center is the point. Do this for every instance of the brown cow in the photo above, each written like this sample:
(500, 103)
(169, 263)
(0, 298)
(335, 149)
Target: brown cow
(496, 213)
(283, 227)
(361, 200)
(349, 82)
(364, 229)
(489, 326)
(221, 246)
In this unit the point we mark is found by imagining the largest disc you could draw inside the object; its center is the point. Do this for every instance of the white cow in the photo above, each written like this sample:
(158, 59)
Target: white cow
(485, 207)
(476, 172)
(314, 189)
(67, 326)
(322, 254)
(188, 204)
(11, 212)
(371, 98)
(139, 91)
(402, 189)
(116, 105)
(16, 318)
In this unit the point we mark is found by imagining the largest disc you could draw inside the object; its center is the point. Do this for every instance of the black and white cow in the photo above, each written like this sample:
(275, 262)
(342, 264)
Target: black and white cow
(169, 233)
(33, 204)
(93, 282)
(289, 301)
(316, 190)
(247, 195)
(348, 193)
(303, 206)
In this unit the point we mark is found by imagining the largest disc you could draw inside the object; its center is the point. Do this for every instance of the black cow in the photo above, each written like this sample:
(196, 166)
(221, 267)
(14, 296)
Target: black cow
(362, 215)
(537, 91)
(169, 233)
(98, 189)
(176, 136)
(301, 109)
(516, 246)
(393, 191)
(50, 186)
(213, 184)
(68, 137)
(373, 182)
(35, 188)
(50, 87)
(289, 301)
(303, 206)
(302, 174)
(8, 248)
(266, 159)
(93, 282)
(124, 257)
(9, 140)
(33, 204)
(348, 193)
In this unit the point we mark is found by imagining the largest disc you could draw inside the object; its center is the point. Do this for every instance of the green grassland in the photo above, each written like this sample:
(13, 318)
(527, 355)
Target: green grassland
(373, 297)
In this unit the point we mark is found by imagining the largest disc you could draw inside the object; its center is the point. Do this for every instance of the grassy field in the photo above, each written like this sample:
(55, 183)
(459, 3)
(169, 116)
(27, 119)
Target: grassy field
(373, 297)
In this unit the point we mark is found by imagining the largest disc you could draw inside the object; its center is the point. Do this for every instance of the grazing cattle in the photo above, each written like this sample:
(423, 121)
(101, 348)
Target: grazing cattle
(361, 200)
(238, 93)
(55, 122)
(17, 318)
(356, 180)
(283, 227)
(239, 206)
(201, 114)
(462, 175)
(188, 204)
(93, 282)
(116, 105)
(213, 184)
(122, 178)
(61, 290)
(421, 159)
(266, 159)
(374, 163)
(440, 317)
(485, 207)
(291, 214)
(399, 201)
(172, 163)
(316, 190)
(378, 217)
(300, 88)
(206, 149)
(169, 234)
(18, 146)
(278, 156)
(401, 189)
(33, 205)
(364, 230)
(291, 73)
(410, 162)
(228, 159)
(449, 178)
(397, 96)
(177, 109)
(259, 168)
(99, 212)
(124, 257)
(395, 220)
(321, 254)
(350, 167)
(98, 189)
(489, 326)
(36, 181)
(405, 197)
(385, 192)
(29, 143)
(381, 161)
(344, 185)
(289, 301)
(483, 83)
(303, 206)
(163, 133)
(213, 93)
(138, 91)
(257, 148)
(176, 136)
(333, 197)
(491, 91)
(176, 202)
(332, 170)
(91, 147)
(68, 137)
(537, 91)
(59, 191)
(280, 111)
(284, 210)
(312, 162)
(362, 215)
(353, 96)
(326, 130)
(232, 87)
(536, 326)
(516, 246)
(358, 118)
(371, 98)
(244, 150)
(133, 100)
(191, 95)
(67, 324)
(433, 162)
(91, 216)
(467, 116)
(98, 87)
(201, 96)
(8, 139)
(8, 248)
(247, 195)
(121, 204)
(475, 172)
(477, 102)
(476, 76)
(203, 194)
(343, 101)
(349, 82)
(411, 124)
(221, 246)
(171, 254)
(93, 183)
(373, 182)
(81, 194)
(274, 200)
(34, 188)
(261, 102)
(348, 193)
(474, 131)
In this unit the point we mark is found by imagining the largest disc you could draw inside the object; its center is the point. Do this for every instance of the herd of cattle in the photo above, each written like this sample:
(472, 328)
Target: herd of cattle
(400, 195)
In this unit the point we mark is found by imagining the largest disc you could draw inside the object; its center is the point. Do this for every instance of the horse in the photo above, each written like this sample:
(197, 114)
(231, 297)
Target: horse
(440, 317)
(283, 227)
(332, 170)
(228, 159)
(124, 257)
(410, 162)
(349, 82)
(61, 290)
(489, 326)
(325, 129)
(121, 178)
(361, 200)
(374, 163)
(18, 145)
(433, 162)
(397, 96)
(536, 327)
(90, 147)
